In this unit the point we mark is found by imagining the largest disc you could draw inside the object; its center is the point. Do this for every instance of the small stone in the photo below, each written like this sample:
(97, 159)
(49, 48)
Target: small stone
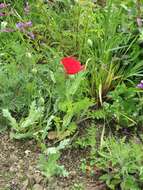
(27, 152)
(37, 187)
(13, 169)
(73, 173)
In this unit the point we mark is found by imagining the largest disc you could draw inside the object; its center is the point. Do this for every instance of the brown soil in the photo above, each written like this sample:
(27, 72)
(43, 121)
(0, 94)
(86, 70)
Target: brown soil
(18, 168)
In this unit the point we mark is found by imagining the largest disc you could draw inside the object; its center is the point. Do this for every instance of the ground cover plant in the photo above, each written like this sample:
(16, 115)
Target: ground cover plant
(71, 79)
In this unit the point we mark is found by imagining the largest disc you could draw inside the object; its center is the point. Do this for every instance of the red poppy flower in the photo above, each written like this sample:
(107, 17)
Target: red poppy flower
(71, 65)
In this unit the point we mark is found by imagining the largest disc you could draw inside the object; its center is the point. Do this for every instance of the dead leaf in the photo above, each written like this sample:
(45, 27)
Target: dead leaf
(52, 135)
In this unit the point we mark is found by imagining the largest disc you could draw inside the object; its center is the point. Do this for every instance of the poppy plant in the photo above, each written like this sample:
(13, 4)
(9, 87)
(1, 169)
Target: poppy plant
(71, 65)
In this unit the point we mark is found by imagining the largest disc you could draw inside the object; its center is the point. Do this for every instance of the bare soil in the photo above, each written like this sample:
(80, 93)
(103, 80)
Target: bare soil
(18, 168)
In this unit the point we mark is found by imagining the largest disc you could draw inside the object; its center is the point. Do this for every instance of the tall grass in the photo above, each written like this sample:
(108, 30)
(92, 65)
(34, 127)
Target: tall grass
(99, 37)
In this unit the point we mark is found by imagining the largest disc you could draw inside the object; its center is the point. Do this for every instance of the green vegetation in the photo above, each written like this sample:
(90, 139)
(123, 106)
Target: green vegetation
(46, 99)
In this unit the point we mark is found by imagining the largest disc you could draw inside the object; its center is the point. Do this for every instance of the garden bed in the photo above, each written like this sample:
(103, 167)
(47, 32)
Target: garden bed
(71, 95)
(18, 168)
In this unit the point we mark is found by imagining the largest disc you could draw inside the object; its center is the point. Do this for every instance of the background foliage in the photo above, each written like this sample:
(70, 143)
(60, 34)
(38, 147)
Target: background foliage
(37, 97)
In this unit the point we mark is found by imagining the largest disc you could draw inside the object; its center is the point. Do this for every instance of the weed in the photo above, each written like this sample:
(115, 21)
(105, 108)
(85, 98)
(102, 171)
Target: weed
(48, 162)
(121, 164)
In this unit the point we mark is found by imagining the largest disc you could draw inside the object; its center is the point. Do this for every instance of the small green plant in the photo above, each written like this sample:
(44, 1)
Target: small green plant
(26, 127)
(48, 162)
(121, 164)
(88, 140)
(74, 111)
(124, 107)
(78, 186)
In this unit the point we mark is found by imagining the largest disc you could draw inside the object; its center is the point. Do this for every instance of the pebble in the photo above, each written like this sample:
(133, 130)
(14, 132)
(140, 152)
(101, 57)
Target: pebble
(37, 187)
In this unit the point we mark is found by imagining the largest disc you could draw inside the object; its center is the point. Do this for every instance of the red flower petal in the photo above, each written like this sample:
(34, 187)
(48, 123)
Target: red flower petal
(71, 65)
